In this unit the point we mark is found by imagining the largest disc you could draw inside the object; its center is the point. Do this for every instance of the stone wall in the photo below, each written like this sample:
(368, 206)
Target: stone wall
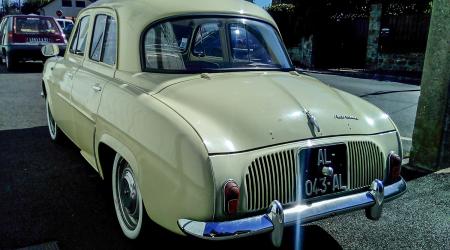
(373, 36)
(410, 62)
(376, 60)
(302, 55)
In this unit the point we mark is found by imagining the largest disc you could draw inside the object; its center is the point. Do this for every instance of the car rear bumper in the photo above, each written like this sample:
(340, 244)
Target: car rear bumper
(29, 51)
(277, 217)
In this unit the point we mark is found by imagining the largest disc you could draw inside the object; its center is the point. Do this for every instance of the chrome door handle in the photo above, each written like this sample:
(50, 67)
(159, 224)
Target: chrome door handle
(97, 88)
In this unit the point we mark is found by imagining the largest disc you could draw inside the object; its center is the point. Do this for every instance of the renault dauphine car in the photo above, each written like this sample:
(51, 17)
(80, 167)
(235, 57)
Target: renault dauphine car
(194, 113)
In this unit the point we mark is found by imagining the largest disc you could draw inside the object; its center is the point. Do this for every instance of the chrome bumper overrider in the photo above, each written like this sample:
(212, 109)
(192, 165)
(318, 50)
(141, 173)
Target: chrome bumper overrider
(277, 217)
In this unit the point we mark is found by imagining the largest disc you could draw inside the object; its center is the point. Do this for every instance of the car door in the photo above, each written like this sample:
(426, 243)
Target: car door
(64, 72)
(97, 69)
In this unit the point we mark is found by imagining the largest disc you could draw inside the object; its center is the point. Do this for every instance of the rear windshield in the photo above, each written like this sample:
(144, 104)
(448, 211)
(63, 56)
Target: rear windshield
(204, 44)
(34, 25)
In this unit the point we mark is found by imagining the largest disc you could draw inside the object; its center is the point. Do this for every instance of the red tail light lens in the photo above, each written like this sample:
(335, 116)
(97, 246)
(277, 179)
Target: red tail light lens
(231, 197)
(395, 166)
(10, 37)
(16, 38)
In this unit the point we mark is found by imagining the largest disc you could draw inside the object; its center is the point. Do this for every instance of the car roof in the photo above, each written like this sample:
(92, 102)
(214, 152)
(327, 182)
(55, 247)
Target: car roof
(32, 16)
(136, 15)
(153, 10)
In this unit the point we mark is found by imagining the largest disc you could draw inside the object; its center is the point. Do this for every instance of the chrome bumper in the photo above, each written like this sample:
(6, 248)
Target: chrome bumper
(277, 217)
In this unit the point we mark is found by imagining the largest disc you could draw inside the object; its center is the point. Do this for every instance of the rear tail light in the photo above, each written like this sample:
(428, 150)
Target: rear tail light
(16, 38)
(231, 197)
(395, 167)
(10, 37)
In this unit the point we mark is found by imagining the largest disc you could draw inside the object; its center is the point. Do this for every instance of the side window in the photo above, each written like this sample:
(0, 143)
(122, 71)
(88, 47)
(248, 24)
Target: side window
(207, 41)
(110, 42)
(80, 4)
(97, 37)
(2, 26)
(2, 23)
(66, 3)
(79, 40)
(104, 40)
(6, 27)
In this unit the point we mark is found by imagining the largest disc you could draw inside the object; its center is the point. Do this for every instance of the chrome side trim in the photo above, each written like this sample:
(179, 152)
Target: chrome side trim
(36, 44)
(302, 213)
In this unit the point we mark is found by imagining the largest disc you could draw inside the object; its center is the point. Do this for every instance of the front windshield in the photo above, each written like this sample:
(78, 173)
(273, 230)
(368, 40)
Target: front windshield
(214, 44)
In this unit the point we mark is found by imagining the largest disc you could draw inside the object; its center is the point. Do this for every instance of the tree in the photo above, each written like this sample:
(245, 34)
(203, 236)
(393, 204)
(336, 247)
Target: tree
(32, 6)
(5, 7)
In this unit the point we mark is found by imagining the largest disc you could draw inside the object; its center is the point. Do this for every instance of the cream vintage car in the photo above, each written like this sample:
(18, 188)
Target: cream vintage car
(195, 113)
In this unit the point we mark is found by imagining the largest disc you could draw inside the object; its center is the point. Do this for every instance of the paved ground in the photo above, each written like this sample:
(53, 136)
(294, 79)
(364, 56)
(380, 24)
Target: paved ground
(48, 193)
(398, 100)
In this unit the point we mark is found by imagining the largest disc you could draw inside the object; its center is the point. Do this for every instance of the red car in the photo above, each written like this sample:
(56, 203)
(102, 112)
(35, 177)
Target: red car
(22, 37)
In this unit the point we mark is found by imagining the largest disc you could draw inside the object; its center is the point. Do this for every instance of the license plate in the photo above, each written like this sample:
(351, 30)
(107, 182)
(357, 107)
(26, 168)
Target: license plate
(323, 170)
(38, 40)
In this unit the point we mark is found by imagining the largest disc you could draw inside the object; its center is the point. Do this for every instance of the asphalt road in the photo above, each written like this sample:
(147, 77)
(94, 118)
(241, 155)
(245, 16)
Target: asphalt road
(48, 193)
(398, 100)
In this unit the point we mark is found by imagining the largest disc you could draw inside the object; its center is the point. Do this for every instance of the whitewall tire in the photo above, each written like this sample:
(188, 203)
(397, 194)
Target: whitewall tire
(51, 123)
(127, 198)
(10, 63)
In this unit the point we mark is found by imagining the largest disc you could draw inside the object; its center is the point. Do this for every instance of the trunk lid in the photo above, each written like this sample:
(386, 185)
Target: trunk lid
(241, 111)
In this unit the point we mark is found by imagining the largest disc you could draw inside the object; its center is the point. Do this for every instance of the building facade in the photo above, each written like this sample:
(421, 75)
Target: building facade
(69, 8)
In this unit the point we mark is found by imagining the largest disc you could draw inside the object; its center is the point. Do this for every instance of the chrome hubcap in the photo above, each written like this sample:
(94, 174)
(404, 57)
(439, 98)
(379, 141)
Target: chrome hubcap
(128, 195)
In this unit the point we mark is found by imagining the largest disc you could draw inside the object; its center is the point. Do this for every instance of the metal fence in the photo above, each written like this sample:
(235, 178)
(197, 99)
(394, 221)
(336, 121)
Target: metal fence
(404, 33)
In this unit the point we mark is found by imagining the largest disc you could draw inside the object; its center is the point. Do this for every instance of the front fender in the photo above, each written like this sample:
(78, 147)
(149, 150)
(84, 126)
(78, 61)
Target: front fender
(47, 76)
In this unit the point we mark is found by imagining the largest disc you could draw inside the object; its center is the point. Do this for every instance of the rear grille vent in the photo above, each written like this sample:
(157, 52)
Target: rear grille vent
(275, 176)
(366, 163)
(272, 177)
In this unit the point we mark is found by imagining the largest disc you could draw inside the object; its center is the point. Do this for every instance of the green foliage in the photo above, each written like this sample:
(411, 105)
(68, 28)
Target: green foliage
(306, 17)
(282, 7)
(399, 7)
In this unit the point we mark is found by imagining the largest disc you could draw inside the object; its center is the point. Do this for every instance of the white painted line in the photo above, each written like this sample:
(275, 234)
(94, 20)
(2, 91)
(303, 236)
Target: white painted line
(406, 138)
(444, 171)
(405, 161)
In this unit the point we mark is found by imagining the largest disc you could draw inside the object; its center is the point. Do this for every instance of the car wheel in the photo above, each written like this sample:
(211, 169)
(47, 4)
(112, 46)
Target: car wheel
(127, 198)
(55, 132)
(10, 63)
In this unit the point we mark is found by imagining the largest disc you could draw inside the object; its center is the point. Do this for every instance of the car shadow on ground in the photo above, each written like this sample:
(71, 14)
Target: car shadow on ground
(49, 193)
(29, 67)
(409, 173)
